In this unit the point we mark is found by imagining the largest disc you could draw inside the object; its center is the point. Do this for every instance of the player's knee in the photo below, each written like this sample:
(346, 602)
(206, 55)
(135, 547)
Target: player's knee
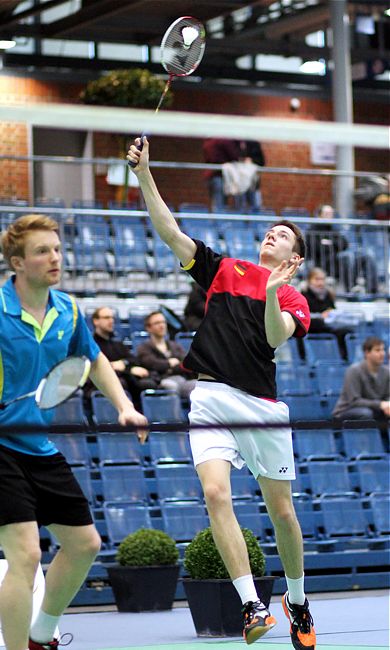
(284, 516)
(25, 561)
(216, 494)
(92, 545)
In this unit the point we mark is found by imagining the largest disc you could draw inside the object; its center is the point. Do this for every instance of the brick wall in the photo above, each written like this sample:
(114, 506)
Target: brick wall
(189, 185)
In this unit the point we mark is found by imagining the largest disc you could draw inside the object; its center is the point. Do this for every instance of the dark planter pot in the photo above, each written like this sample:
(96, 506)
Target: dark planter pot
(216, 607)
(143, 589)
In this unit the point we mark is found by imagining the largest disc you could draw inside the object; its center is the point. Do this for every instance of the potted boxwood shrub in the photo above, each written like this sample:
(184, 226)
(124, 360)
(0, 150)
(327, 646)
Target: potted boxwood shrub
(146, 575)
(213, 601)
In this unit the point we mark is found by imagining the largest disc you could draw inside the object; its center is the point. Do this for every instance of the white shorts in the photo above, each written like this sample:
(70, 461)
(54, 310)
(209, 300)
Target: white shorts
(266, 452)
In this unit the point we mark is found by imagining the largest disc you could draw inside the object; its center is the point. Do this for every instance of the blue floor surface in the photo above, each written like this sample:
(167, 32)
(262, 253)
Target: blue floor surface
(356, 622)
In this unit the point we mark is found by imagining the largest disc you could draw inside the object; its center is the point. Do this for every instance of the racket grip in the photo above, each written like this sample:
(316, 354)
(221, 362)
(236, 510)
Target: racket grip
(140, 147)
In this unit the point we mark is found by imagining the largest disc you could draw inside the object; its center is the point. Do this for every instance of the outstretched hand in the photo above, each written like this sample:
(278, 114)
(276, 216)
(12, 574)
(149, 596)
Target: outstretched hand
(284, 273)
(138, 158)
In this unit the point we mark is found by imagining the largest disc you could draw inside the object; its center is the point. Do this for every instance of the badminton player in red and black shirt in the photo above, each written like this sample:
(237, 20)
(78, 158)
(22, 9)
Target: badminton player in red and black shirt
(250, 310)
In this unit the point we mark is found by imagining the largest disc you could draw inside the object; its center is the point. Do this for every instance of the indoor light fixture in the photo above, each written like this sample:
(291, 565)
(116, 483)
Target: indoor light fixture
(312, 67)
(6, 45)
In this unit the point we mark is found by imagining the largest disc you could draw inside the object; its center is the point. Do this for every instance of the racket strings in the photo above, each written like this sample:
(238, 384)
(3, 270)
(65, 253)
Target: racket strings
(182, 51)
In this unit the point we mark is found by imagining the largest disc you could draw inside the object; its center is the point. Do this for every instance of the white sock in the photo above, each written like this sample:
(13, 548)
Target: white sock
(44, 627)
(296, 591)
(246, 588)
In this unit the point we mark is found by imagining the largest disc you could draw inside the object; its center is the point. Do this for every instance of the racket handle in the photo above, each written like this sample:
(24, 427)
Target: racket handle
(140, 147)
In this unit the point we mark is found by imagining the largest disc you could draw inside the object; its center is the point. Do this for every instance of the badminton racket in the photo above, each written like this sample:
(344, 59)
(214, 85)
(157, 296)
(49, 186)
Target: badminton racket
(59, 384)
(182, 49)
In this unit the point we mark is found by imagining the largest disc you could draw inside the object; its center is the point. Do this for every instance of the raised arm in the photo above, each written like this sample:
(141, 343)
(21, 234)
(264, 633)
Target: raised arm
(162, 219)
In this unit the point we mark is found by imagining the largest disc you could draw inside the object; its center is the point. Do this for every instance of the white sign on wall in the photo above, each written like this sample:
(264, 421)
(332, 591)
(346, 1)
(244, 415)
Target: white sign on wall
(323, 153)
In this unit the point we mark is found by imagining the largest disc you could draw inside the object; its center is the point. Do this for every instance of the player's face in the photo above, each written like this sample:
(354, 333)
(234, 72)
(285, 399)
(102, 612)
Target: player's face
(105, 322)
(157, 325)
(318, 281)
(277, 246)
(41, 264)
(376, 355)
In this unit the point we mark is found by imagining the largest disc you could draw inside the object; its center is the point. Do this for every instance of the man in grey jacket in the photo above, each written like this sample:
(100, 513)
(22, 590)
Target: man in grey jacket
(366, 393)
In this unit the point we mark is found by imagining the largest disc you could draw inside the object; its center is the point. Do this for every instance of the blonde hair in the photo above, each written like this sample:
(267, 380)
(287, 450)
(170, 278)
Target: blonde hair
(13, 240)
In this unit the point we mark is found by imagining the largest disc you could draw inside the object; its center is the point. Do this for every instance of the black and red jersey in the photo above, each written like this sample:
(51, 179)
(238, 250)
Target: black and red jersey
(231, 344)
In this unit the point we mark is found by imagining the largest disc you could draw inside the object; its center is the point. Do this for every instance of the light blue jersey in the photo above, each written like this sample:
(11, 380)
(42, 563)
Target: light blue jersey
(27, 352)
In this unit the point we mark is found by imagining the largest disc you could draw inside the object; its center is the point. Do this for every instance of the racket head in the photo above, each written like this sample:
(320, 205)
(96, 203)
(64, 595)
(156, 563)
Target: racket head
(182, 46)
(62, 382)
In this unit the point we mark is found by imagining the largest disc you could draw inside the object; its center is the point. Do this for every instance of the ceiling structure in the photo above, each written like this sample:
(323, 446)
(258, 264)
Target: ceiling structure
(238, 32)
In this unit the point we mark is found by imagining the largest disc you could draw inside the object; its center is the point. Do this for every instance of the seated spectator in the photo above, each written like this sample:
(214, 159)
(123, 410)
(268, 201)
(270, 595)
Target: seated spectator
(194, 309)
(321, 301)
(251, 152)
(132, 375)
(164, 356)
(328, 248)
(366, 391)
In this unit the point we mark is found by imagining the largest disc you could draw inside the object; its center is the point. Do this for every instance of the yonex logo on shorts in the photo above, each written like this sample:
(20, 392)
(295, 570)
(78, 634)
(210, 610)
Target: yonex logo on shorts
(283, 470)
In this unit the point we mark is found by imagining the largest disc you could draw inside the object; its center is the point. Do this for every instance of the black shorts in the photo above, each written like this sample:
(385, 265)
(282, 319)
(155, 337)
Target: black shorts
(41, 489)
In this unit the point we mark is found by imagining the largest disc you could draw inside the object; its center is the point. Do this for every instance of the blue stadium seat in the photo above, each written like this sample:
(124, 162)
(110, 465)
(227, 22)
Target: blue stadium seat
(304, 509)
(288, 353)
(103, 412)
(375, 243)
(172, 446)
(185, 339)
(90, 257)
(183, 521)
(329, 376)
(83, 476)
(353, 343)
(164, 260)
(87, 204)
(380, 508)
(202, 208)
(119, 448)
(136, 320)
(321, 347)
(122, 519)
(124, 483)
(70, 412)
(304, 408)
(343, 517)
(315, 443)
(372, 475)
(293, 380)
(127, 260)
(137, 338)
(243, 484)
(178, 483)
(123, 205)
(92, 231)
(206, 233)
(161, 405)
(240, 243)
(248, 516)
(362, 442)
(328, 477)
(73, 446)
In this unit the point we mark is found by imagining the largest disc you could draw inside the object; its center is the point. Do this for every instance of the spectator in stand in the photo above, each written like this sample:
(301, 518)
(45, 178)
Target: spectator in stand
(161, 355)
(251, 152)
(132, 375)
(194, 309)
(366, 391)
(327, 248)
(321, 301)
(218, 151)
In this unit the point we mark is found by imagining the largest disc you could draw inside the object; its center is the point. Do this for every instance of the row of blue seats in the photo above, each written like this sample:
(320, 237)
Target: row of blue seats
(174, 447)
(173, 482)
(341, 520)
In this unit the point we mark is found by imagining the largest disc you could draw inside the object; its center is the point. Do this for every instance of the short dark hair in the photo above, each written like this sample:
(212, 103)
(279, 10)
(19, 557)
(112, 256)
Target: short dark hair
(299, 246)
(149, 316)
(371, 342)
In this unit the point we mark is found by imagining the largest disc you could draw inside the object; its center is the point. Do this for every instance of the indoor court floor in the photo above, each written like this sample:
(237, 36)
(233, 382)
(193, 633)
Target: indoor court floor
(343, 621)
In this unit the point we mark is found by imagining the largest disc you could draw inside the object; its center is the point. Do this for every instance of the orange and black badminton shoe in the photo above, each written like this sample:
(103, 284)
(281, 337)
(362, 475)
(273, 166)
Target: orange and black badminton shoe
(50, 645)
(303, 636)
(257, 621)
